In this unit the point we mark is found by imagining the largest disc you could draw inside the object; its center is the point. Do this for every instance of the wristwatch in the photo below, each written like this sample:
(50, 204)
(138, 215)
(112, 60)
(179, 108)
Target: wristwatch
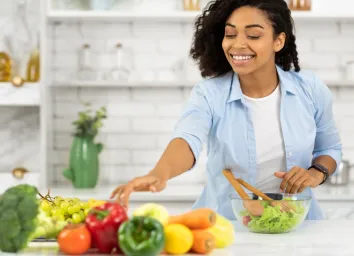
(322, 169)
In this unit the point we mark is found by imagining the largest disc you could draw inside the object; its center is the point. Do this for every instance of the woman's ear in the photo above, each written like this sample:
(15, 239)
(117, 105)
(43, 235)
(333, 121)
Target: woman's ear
(279, 42)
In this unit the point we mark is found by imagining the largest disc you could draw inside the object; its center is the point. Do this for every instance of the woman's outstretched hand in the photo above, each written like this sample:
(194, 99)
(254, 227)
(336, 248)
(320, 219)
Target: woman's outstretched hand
(143, 183)
(298, 179)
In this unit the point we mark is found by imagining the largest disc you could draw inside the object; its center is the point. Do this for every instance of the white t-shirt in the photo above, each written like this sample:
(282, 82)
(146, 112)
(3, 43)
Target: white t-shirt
(265, 113)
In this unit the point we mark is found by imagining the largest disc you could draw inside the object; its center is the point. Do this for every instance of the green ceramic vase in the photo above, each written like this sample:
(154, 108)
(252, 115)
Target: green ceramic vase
(84, 162)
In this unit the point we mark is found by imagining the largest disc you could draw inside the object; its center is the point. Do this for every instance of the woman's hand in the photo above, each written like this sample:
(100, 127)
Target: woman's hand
(298, 179)
(143, 183)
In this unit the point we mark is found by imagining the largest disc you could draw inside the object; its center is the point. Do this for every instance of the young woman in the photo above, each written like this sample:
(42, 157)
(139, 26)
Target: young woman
(258, 113)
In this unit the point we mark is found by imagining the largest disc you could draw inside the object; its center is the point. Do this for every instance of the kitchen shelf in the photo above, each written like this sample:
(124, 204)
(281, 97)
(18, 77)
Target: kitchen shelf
(178, 16)
(54, 16)
(137, 84)
(308, 15)
(159, 84)
(339, 83)
(26, 95)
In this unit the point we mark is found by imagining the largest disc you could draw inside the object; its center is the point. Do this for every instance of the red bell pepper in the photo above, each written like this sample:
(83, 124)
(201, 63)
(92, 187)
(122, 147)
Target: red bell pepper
(103, 223)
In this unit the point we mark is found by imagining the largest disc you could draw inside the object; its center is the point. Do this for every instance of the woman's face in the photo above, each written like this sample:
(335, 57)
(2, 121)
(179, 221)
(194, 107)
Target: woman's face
(249, 43)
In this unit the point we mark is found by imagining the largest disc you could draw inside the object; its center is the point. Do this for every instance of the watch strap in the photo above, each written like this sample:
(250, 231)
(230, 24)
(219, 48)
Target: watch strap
(322, 169)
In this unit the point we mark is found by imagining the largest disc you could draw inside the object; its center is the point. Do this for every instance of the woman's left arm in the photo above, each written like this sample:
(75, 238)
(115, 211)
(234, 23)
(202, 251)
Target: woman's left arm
(328, 147)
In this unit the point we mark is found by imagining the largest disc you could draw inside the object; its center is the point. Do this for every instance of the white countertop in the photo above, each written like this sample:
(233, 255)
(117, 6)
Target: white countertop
(315, 238)
(170, 193)
(189, 193)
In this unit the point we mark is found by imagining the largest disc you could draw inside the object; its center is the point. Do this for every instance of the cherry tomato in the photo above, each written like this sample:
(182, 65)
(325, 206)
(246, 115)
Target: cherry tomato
(74, 239)
(246, 219)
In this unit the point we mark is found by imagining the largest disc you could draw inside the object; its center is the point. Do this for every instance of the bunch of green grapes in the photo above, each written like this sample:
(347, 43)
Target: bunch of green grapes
(65, 209)
(47, 227)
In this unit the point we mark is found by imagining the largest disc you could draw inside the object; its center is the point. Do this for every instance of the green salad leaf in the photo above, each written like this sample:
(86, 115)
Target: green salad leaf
(274, 220)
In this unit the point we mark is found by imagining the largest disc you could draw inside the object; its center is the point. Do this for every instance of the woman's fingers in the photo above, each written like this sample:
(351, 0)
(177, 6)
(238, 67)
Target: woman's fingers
(116, 191)
(294, 180)
(297, 185)
(123, 192)
(284, 184)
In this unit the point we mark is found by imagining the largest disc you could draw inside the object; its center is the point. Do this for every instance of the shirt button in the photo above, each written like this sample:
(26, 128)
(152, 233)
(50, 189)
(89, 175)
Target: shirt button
(290, 153)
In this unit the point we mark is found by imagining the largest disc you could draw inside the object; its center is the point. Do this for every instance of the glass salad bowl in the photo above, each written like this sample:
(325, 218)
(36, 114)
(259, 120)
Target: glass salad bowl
(282, 214)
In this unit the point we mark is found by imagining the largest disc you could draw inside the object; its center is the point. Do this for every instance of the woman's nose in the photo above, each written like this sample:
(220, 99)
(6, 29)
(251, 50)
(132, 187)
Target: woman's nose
(238, 46)
(239, 43)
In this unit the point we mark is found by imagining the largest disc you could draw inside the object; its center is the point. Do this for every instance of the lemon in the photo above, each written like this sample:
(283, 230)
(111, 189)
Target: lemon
(179, 239)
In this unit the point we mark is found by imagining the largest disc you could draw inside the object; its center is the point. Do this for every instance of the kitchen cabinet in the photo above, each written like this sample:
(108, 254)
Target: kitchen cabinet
(26, 95)
(8, 180)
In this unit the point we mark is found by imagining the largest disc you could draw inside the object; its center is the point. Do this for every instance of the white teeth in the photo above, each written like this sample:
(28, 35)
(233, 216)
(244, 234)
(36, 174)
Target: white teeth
(242, 57)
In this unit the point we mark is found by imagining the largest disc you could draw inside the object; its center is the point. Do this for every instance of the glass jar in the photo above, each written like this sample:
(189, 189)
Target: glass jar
(86, 70)
(5, 65)
(305, 5)
(300, 5)
(191, 5)
(119, 71)
(350, 70)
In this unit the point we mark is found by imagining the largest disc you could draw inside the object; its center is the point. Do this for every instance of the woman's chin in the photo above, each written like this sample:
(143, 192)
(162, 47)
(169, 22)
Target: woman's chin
(242, 71)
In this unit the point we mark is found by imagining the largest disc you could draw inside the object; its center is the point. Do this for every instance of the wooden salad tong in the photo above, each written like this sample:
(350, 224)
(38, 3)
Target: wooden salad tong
(253, 206)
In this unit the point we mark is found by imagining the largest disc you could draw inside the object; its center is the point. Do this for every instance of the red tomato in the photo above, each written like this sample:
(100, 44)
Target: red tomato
(246, 219)
(74, 239)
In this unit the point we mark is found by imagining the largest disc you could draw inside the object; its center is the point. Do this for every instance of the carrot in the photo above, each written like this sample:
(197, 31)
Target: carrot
(196, 219)
(203, 241)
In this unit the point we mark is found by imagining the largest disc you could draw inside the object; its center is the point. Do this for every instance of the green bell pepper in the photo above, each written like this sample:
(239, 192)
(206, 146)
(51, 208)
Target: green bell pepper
(141, 236)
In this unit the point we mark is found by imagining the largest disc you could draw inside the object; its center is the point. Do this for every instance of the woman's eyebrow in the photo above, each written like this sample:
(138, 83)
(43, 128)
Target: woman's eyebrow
(229, 24)
(254, 26)
(247, 26)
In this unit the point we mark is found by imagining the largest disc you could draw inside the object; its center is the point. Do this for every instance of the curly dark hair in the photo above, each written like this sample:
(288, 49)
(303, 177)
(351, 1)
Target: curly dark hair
(207, 49)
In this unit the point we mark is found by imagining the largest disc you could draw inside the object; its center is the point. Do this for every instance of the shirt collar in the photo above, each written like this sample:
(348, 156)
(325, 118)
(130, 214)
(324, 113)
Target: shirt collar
(287, 84)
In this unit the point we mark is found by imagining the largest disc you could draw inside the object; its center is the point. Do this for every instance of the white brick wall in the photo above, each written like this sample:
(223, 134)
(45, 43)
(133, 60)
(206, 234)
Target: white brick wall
(140, 121)
(135, 134)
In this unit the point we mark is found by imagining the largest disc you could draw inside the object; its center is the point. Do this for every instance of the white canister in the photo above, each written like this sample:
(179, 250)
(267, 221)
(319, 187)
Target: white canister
(350, 70)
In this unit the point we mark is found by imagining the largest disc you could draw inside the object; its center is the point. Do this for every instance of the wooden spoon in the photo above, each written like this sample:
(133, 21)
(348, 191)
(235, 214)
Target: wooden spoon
(285, 206)
(253, 206)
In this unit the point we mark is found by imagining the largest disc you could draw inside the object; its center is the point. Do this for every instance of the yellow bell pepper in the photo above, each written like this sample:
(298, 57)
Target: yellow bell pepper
(223, 231)
(93, 202)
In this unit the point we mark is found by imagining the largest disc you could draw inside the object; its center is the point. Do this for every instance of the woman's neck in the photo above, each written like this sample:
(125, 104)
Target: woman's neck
(260, 84)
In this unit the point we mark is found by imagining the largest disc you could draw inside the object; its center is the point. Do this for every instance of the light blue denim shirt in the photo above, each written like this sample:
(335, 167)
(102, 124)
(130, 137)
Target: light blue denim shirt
(216, 114)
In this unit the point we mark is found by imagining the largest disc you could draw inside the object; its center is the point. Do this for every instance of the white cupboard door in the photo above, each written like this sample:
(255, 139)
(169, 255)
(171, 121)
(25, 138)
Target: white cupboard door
(8, 180)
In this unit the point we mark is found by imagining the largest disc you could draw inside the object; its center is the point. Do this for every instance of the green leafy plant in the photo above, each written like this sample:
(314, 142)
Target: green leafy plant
(89, 123)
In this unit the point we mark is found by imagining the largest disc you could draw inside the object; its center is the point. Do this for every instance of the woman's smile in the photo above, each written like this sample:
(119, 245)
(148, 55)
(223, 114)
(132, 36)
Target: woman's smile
(239, 60)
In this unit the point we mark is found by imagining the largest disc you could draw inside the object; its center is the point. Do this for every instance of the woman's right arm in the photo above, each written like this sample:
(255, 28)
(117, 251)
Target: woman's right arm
(176, 159)
(182, 153)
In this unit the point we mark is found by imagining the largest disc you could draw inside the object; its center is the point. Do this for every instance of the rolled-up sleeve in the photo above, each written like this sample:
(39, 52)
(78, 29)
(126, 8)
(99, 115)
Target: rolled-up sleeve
(195, 121)
(327, 140)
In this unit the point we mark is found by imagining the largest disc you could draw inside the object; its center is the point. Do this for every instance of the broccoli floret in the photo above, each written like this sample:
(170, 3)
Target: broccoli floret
(19, 208)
